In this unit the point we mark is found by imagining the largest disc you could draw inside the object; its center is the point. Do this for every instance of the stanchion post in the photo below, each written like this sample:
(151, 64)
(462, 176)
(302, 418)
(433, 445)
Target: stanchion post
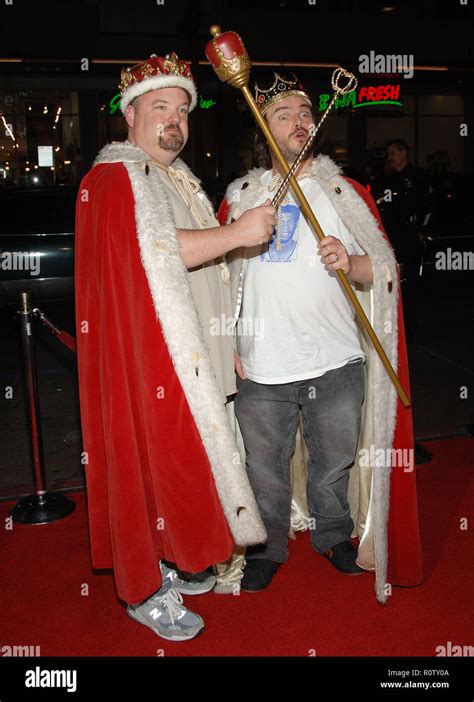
(41, 507)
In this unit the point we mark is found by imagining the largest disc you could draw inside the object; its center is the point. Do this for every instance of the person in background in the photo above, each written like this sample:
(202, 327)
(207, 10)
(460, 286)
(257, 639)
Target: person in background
(406, 206)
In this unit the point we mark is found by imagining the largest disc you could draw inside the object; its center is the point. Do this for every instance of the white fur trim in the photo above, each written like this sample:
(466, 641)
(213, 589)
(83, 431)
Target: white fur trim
(157, 82)
(170, 288)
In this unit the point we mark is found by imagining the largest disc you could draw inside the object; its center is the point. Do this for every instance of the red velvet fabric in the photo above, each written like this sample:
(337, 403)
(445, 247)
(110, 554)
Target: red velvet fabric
(404, 546)
(151, 493)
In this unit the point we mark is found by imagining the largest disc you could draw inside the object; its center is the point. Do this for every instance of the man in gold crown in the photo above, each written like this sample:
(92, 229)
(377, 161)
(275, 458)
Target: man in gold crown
(166, 491)
(313, 368)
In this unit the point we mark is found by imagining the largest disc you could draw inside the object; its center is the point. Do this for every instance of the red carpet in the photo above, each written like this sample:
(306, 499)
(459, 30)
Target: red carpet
(308, 606)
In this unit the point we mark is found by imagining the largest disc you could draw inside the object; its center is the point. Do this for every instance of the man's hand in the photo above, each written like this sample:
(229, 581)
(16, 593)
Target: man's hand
(334, 255)
(255, 226)
(239, 369)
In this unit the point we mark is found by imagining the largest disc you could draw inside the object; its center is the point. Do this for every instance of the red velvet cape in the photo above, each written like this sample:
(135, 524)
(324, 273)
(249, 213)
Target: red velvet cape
(151, 493)
(404, 547)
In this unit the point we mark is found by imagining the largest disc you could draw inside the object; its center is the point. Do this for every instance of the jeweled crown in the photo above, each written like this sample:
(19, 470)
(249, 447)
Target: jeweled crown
(156, 72)
(282, 87)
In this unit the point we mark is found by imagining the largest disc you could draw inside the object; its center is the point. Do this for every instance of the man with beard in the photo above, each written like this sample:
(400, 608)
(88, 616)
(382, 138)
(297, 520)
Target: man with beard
(313, 360)
(166, 494)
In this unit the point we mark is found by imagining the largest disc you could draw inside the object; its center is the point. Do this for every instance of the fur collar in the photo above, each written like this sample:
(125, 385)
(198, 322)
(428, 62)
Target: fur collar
(126, 152)
(321, 167)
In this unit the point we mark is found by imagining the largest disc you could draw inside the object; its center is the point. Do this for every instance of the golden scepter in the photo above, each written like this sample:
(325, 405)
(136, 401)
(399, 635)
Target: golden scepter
(228, 56)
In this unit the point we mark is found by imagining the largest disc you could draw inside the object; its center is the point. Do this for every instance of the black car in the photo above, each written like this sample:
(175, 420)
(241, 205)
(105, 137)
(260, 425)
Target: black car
(37, 243)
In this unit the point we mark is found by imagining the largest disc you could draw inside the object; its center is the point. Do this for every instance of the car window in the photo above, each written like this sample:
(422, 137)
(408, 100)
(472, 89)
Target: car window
(25, 212)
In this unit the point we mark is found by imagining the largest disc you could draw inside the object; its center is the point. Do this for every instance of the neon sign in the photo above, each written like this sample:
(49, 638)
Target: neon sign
(365, 96)
(114, 104)
(206, 104)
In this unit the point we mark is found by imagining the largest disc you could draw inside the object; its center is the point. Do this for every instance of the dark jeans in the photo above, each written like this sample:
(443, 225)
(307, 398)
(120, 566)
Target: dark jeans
(268, 416)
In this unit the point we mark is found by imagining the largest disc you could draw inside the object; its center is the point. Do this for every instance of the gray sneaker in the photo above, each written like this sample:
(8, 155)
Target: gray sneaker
(166, 615)
(197, 584)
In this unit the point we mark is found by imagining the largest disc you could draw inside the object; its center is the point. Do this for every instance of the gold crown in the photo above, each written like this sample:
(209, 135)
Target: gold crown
(154, 66)
(156, 72)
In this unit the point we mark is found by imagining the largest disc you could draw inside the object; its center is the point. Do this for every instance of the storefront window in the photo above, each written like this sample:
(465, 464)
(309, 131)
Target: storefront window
(440, 150)
(440, 105)
(380, 131)
(39, 138)
(425, 123)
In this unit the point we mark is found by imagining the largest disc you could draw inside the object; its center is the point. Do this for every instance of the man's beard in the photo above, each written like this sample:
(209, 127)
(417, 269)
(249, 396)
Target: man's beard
(171, 142)
(290, 153)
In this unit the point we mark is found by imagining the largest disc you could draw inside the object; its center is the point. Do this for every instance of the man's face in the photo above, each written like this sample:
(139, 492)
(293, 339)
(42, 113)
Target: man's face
(158, 123)
(290, 120)
(397, 158)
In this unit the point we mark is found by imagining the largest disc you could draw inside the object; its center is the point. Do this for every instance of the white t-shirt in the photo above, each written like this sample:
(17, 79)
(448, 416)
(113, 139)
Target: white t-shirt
(296, 320)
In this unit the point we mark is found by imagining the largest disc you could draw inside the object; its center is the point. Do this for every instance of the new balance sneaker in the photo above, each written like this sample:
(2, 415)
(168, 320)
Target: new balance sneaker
(165, 614)
(258, 574)
(196, 584)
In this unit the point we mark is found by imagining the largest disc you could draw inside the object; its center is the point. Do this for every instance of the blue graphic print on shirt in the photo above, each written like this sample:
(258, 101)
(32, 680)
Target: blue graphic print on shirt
(290, 215)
